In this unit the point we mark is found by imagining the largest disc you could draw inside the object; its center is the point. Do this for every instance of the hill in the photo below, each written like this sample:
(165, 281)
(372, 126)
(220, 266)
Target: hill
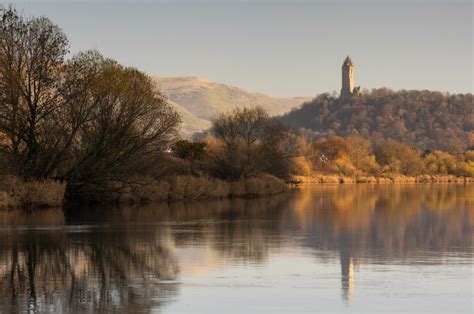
(199, 100)
(425, 119)
(190, 123)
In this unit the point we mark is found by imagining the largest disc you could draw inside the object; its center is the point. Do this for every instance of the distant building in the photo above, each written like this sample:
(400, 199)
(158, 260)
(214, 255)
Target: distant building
(348, 89)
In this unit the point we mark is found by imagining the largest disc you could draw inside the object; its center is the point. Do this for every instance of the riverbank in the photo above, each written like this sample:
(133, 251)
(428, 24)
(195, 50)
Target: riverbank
(388, 179)
(15, 193)
(187, 187)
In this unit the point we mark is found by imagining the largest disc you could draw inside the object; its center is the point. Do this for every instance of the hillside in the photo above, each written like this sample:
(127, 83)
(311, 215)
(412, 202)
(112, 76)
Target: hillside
(425, 119)
(190, 122)
(199, 100)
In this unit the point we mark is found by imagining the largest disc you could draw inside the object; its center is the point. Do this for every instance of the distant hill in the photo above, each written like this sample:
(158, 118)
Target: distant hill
(198, 100)
(190, 122)
(425, 119)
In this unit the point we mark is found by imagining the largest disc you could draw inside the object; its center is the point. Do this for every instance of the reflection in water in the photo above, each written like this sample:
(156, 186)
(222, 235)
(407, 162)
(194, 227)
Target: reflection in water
(135, 258)
(347, 274)
(52, 268)
(380, 223)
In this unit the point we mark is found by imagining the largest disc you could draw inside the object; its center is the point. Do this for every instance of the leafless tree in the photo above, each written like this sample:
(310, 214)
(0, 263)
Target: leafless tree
(251, 143)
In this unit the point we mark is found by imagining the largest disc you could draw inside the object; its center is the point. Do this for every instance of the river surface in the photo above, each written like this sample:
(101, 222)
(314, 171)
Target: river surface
(344, 248)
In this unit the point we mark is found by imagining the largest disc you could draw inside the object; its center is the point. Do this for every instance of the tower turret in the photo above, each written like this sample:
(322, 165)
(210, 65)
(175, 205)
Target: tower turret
(347, 78)
(348, 89)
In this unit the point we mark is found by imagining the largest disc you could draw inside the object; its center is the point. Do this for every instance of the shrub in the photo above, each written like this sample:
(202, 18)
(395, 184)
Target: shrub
(469, 155)
(440, 162)
(396, 157)
(465, 168)
(189, 150)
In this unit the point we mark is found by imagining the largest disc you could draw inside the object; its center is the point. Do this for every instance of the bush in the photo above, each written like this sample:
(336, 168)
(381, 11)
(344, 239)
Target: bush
(185, 149)
(465, 168)
(440, 162)
(396, 157)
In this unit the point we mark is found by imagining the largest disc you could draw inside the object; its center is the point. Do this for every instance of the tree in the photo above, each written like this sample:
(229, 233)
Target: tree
(424, 119)
(249, 143)
(360, 152)
(125, 124)
(88, 121)
(32, 55)
(440, 162)
(193, 151)
(332, 156)
(399, 158)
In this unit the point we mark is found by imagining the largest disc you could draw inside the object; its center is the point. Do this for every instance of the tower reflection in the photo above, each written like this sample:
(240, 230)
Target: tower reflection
(347, 274)
(131, 259)
(379, 223)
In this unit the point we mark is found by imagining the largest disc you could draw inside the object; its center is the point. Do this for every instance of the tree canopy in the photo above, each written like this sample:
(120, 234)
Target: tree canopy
(88, 121)
(425, 119)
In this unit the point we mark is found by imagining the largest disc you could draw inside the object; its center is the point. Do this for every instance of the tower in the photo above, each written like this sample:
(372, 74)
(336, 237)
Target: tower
(348, 89)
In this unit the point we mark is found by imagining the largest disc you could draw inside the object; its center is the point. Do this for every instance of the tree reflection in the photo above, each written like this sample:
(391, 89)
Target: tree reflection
(393, 220)
(85, 270)
(128, 259)
(373, 223)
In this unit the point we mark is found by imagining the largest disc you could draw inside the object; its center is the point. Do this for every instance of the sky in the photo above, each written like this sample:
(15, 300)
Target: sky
(281, 48)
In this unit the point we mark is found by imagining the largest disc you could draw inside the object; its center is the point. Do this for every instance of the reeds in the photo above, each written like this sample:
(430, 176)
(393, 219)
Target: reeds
(187, 187)
(17, 193)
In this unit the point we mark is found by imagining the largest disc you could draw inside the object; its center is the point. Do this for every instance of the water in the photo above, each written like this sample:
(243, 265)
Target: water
(348, 248)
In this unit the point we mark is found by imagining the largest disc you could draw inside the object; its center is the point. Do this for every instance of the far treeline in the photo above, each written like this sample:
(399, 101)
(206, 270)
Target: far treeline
(425, 119)
(87, 128)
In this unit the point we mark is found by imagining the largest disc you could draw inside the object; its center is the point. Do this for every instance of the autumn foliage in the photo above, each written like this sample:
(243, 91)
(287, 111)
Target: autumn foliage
(424, 119)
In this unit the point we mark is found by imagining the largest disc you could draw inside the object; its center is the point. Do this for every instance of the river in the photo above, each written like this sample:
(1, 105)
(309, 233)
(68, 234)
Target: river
(323, 248)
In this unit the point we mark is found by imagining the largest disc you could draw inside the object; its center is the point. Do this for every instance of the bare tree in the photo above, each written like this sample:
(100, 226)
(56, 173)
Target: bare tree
(251, 143)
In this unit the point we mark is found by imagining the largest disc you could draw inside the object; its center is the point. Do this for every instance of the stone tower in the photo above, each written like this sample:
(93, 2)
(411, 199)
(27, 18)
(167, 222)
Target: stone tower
(348, 89)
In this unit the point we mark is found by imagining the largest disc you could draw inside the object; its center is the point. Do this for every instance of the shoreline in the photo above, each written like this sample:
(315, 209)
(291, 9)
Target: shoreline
(49, 194)
(34, 195)
(335, 179)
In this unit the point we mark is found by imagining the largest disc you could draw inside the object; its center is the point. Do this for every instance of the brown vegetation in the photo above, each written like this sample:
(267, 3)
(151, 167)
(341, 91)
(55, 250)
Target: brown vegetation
(89, 121)
(424, 119)
(100, 131)
(188, 187)
(355, 159)
(249, 143)
(104, 132)
(17, 193)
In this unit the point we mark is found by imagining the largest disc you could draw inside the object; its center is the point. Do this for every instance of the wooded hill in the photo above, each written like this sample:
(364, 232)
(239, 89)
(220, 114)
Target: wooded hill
(425, 119)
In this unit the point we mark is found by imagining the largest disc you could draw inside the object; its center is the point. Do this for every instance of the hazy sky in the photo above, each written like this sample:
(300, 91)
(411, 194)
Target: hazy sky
(287, 48)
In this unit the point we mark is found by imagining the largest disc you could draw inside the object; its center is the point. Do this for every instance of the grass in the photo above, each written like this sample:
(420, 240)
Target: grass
(17, 193)
(186, 187)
